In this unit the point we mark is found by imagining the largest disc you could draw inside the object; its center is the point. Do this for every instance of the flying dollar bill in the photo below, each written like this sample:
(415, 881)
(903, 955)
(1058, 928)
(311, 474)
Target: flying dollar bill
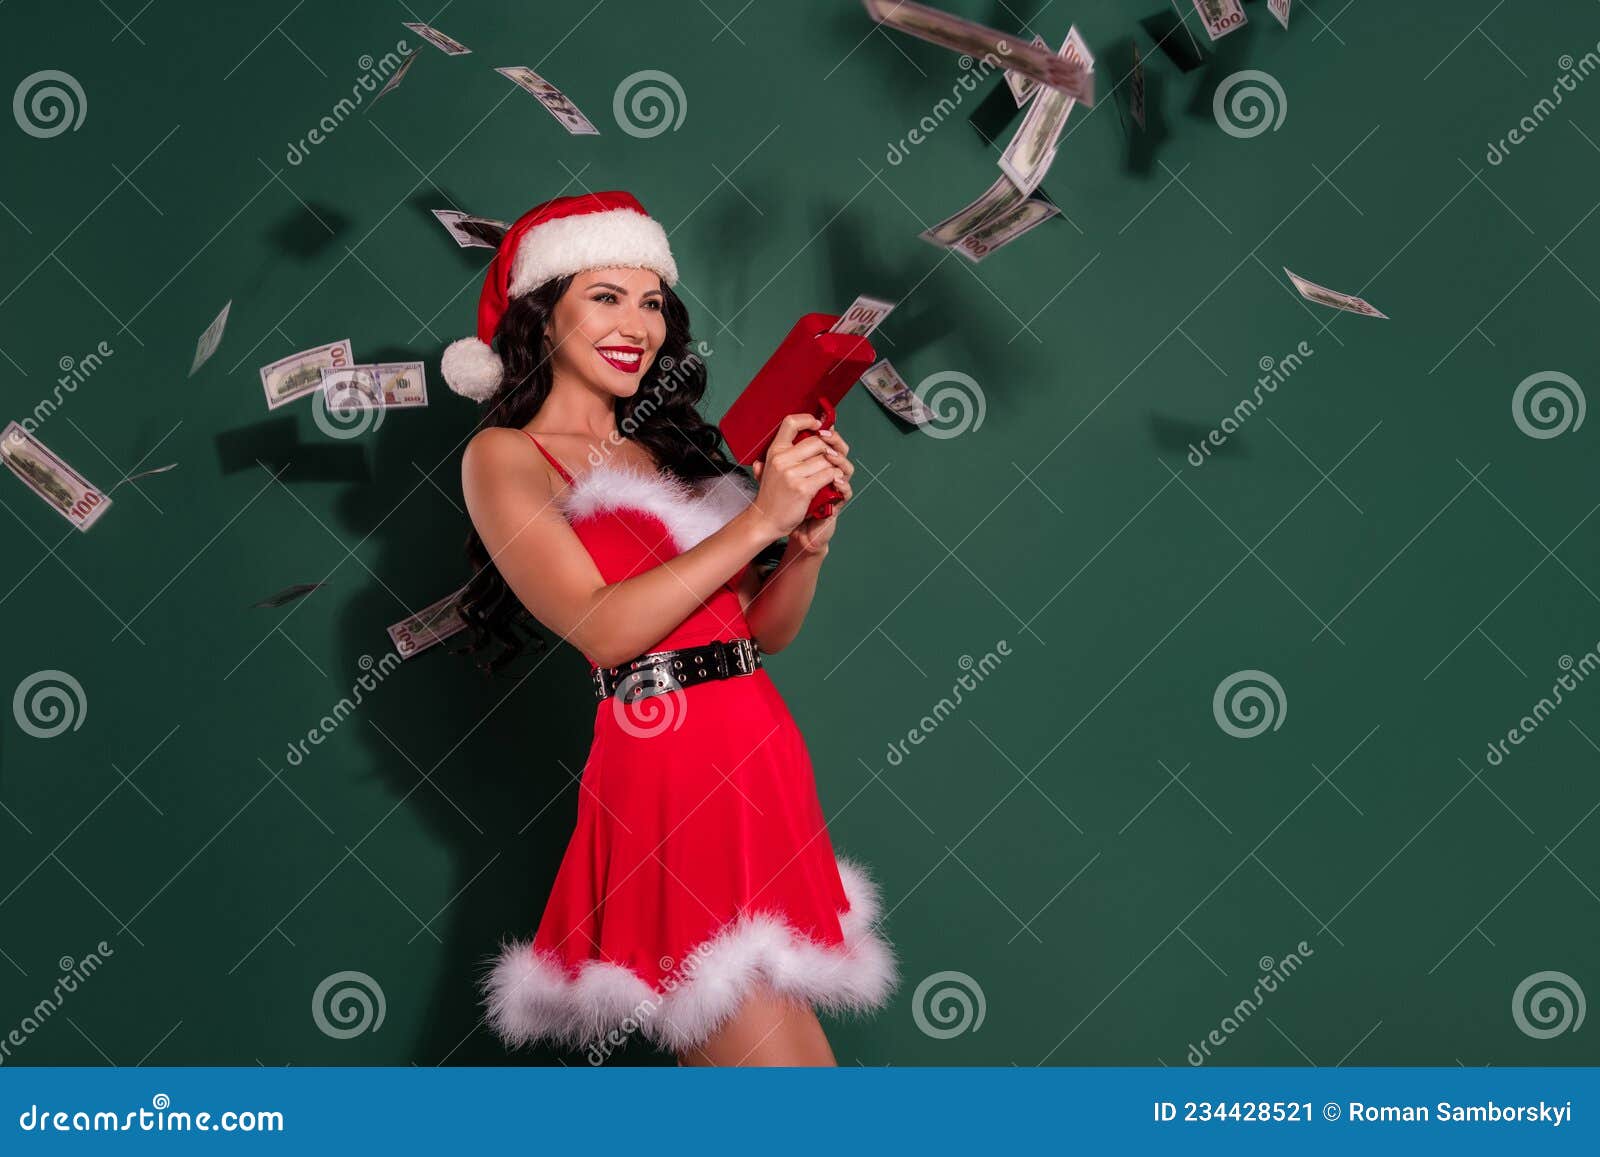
(300, 374)
(972, 39)
(996, 199)
(394, 81)
(552, 98)
(1022, 87)
(885, 384)
(210, 340)
(1033, 149)
(387, 385)
(67, 492)
(1004, 228)
(1220, 16)
(433, 624)
(471, 232)
(1322, 295)
(448, 45)
(1280, 9)
(864, 315)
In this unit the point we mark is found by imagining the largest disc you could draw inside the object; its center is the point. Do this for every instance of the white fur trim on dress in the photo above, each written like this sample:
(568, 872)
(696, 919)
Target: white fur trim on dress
(691, 514)
(591, 241)
(529, 997)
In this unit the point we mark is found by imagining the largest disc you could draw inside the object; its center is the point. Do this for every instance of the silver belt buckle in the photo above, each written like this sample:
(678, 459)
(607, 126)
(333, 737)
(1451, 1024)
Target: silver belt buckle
(744, 655)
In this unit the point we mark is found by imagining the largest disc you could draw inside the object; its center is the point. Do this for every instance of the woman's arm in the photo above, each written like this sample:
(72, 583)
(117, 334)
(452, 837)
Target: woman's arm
(510, 499)
(512, 504)
(776, 608)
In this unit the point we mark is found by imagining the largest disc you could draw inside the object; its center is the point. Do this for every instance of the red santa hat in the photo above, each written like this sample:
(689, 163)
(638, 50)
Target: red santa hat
(562, 236)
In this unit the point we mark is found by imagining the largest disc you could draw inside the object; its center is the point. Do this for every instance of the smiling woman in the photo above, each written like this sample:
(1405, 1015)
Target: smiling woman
(700, 901)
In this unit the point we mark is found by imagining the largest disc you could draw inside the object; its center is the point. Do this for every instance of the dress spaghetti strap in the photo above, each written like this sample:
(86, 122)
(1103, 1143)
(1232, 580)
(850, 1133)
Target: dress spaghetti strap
(550, 456)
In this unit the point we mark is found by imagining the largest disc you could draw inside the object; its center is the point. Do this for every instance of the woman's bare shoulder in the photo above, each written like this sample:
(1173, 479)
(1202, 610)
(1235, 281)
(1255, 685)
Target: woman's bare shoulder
(498, 452)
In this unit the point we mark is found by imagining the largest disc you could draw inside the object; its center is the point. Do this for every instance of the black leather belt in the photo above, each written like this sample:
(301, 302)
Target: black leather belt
(658, 672)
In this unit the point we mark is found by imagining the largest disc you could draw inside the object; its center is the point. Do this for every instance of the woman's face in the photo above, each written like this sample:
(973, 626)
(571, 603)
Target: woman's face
(608, 327)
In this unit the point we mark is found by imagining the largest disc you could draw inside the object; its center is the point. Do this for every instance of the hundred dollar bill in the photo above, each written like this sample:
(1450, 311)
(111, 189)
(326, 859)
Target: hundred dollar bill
(394, 81)
(1280, 9)
(1004, 229)
(552, 98)
(448, 45)
(1029, 155)
(997, 198)
(1322, 295)
(68, 492)
(1022, 87)
(864, 315)
(884, 383)
(300, 374)
(432, 624)
(1136, 87)
(210, 340)
(1220, 16)
(972, 39)
(387, 385)
(288, 595)
(471, 232)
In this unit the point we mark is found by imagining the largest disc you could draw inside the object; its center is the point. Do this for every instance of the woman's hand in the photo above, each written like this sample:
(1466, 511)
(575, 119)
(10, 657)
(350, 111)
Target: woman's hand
(813, 534)
(793, 472)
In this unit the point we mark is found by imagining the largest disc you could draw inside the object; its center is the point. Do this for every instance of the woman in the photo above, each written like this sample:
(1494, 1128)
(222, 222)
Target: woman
(700, 901)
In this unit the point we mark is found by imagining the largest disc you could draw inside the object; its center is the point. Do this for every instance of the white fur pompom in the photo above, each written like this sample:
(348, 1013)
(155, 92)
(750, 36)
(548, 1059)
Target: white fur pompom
(472, 369)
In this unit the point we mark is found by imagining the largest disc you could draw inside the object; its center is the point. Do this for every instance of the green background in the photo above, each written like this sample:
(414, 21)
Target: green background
(1080, 839)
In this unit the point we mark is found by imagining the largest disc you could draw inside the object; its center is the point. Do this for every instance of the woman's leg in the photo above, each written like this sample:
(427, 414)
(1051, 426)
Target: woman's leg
(768, 1029)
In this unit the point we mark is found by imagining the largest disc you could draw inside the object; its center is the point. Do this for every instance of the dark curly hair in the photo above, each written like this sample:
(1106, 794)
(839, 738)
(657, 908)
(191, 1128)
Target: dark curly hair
(660, 416)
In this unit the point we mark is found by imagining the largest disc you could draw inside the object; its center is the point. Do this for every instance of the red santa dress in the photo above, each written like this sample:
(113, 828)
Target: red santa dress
(701, 863)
